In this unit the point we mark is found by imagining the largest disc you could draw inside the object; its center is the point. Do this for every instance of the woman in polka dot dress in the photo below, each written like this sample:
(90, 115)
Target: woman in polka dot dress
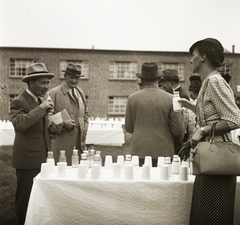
(213, 196)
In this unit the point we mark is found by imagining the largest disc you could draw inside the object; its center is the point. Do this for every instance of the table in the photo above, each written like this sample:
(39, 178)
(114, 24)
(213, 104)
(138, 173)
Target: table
(6, 136)
(107, 137)
(112, 201)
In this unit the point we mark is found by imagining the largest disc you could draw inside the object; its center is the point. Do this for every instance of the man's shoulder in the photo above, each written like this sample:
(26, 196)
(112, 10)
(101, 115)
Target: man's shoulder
(55, 89)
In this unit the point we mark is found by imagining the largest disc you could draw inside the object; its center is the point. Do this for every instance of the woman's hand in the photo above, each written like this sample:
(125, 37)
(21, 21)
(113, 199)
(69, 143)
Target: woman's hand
(197, 137)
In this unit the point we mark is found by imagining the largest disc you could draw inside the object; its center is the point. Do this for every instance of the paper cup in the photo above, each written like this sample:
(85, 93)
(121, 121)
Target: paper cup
(128, 172)
(160, 161)
(95, 174)
(45, 171)
(82, 171)
(120, 160)
(135, 160)
(183, 173)
(108, 162)
(61, 168)
(116, 170)
(145, 172)
(148, 161)
(51, 164)
(187, 164)
(164, 173)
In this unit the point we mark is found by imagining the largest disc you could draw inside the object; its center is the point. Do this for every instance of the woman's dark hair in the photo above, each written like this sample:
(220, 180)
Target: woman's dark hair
(195, 86)
(211, 54)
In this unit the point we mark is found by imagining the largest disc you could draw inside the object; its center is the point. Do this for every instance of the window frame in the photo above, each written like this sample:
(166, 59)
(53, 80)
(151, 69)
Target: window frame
(113, 70)
(180, 66)
(28, 62)
(118, 112)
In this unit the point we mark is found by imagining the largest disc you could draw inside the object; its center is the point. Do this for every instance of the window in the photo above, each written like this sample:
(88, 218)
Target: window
(83, 64)
(225, 69)
(18, 67)
(117, 105)
(11, 97)
(122, 70)
(177, 66)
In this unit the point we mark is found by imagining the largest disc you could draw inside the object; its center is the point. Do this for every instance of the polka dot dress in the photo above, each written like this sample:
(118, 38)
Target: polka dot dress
(213, 200)
(214, 196)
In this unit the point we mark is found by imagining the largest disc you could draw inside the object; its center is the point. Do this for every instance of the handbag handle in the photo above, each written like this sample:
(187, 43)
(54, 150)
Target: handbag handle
(212, 135)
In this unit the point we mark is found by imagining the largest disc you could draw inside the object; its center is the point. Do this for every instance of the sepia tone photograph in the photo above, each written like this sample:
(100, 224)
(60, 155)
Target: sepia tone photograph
(119, 112)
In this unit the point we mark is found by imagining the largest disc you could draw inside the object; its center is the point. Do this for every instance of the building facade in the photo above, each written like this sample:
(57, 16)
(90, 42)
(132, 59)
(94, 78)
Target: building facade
(109, 75)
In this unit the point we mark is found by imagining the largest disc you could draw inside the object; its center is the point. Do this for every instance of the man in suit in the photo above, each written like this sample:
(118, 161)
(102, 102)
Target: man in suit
(171, 84)
(70, 97)
(150, 118)
(32, 140)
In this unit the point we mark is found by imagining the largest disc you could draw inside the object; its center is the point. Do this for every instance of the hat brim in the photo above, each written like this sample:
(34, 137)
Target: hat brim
(38, 75)
(169, 79)
(139, 75)
(72, 73)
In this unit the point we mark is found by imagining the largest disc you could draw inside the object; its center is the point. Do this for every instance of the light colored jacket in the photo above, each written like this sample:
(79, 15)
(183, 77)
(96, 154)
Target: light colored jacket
(68, 139)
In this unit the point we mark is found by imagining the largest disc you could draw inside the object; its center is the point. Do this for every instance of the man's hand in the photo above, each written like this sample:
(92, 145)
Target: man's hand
(69, 124)
(47, 104)
(52, 128)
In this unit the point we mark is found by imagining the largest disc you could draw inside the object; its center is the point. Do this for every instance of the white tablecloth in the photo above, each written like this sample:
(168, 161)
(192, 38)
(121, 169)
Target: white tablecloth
(112, 201)
(108, 137)
(6, 136)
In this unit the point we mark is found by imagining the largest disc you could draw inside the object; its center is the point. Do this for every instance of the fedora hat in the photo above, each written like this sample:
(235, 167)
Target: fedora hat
(170, 74)
(37, 70)
(210, 42)
(73, 69)
(149, 71)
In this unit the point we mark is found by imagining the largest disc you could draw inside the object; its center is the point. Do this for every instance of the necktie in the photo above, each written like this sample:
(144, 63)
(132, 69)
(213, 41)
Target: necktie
(74, 96)
(39, 101)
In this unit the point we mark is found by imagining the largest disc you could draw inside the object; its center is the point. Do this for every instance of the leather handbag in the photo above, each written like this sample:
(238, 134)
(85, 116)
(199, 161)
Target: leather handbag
(216, 157)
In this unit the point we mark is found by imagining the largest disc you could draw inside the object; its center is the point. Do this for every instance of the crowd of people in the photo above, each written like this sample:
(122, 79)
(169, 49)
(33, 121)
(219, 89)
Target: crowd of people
(157, 130)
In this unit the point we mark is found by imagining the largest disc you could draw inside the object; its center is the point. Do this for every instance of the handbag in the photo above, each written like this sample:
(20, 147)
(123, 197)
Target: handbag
(216, 157)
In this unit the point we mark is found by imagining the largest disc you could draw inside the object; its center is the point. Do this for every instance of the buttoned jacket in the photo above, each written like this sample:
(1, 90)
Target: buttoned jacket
(32, 139)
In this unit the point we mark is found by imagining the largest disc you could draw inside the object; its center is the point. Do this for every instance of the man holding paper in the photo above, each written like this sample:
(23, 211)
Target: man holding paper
(70, 104)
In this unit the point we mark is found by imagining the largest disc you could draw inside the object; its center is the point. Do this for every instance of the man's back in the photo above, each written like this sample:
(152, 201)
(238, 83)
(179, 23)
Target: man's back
(151, 120)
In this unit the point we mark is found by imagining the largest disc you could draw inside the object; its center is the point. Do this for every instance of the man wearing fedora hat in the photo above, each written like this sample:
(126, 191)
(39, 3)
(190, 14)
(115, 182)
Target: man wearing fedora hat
(150, 118)
(32, 134)
(171, 83)
(70, 97)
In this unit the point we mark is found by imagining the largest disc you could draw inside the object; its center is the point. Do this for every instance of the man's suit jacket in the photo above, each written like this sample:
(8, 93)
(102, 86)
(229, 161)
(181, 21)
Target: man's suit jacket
(32, 139)
(153, 123)
(68, 139)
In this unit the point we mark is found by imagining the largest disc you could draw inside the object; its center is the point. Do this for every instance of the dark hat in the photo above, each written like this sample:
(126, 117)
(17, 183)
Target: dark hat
(170, 74)
(37, 70)
(210, 42)
(195, 77)
(149, 71)
(73, 69)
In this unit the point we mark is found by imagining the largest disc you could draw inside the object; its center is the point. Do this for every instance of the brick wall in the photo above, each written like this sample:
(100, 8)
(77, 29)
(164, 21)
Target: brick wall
(97, 87)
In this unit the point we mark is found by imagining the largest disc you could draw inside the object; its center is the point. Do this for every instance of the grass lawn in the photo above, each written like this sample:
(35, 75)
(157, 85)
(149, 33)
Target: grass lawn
(8, 186)
(8, 177)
